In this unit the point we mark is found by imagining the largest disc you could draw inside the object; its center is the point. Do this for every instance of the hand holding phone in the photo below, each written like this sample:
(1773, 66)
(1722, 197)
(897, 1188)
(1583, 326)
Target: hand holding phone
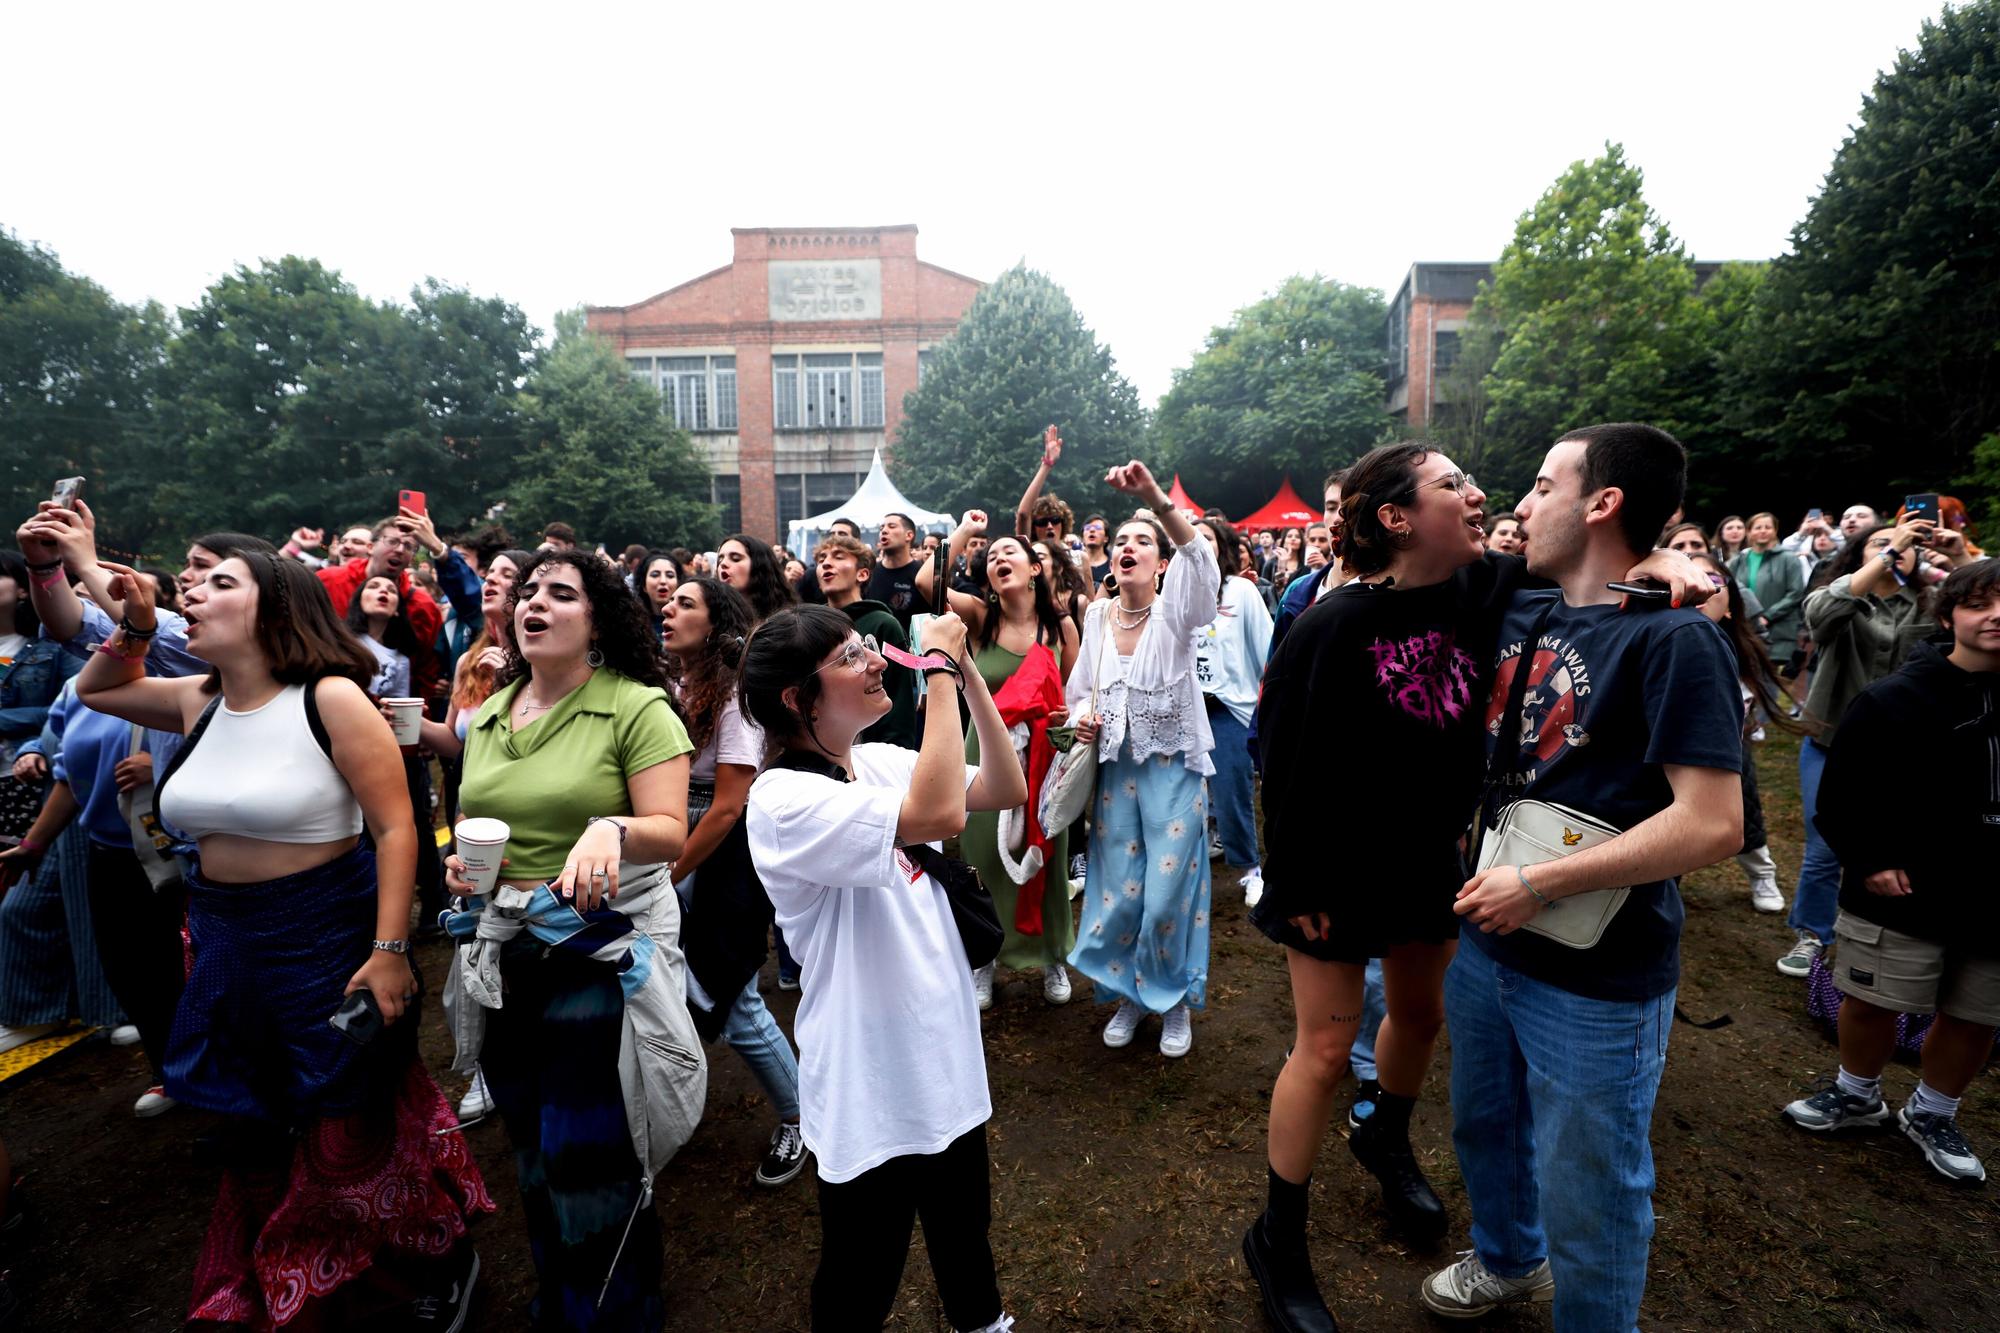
(413, 500)
(65, 492)
(359, 1018)
(1923, 505)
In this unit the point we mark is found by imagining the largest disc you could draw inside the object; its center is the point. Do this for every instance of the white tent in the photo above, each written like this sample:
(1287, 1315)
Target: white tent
(877, 499)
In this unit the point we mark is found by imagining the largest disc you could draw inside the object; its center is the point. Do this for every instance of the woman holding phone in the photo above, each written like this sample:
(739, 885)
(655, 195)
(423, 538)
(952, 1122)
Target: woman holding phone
(343, 1196)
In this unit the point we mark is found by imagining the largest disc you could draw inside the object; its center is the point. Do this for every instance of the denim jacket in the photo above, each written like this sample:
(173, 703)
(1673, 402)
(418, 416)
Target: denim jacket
(29, 687)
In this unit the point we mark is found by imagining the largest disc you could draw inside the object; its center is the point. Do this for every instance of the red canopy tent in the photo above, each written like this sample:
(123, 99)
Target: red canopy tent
(1178, 497)
(1283, 510)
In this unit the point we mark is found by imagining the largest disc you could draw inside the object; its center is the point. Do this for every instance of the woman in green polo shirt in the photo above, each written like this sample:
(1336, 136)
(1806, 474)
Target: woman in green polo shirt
(585, 759)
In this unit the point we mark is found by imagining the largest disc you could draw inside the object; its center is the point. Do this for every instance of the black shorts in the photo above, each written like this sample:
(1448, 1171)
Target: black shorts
(1368, 925)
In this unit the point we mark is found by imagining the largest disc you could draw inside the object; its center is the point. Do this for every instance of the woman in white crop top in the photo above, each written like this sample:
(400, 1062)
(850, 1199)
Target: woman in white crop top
(290, 912)
(1144, 934)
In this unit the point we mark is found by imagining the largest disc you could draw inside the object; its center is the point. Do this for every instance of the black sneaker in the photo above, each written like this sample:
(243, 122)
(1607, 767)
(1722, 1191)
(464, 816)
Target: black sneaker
(785, 1157)
(1364, 1103)
(444, 1310)
(1413, 1207)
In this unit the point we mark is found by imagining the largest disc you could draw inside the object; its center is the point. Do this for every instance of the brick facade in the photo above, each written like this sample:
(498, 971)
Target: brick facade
(840, 291)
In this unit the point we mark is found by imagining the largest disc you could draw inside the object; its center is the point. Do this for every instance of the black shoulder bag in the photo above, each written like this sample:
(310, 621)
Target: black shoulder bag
(972, 909)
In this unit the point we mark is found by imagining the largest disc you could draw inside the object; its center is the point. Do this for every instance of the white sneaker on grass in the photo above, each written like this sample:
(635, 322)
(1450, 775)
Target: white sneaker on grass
(1119, 1031)
(1253, 886)
(1944, 1145)
(1764, 896)
(1466, 1290)
(1797, 961)
(1055, 984)
(1176, 1033)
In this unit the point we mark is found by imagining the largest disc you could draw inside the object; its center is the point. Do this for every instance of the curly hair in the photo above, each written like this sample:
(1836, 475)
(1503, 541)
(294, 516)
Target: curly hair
(1048, 506)
(621, 632)
(768, 592)
(707, 677)
(1386, 475)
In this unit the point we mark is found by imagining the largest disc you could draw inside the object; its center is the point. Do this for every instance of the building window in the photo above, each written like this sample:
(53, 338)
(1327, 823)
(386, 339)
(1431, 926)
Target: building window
(727, 492)
(698, 392)
(1444, 352)
(802, 493)
(827, 391)
(923, 363)
(1399, 337)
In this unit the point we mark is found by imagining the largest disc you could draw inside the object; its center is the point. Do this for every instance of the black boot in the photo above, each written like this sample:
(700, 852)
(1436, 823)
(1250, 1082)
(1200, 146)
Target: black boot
(1275, 1249)
(1382, 1144)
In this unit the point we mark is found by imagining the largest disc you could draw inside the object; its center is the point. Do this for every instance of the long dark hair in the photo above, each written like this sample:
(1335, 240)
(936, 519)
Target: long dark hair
(1851, 556)
(399, 634)
(1385, 475)
(476, 683)
(15, 566)
(301, 638)
(768, 592)
(708, 676)
(1229, 553)
(785, 652)
(645, 568)
(1072, 590)
(1753, 660)
(623, 634)
(1048, 615)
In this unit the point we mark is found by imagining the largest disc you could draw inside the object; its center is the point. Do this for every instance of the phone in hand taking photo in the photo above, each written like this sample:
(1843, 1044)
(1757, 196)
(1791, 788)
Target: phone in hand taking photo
(1924, 505)
(65, 492)
(412, 500)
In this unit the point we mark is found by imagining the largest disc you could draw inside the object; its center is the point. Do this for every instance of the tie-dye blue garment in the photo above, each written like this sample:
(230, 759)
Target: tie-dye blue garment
(1144, 932)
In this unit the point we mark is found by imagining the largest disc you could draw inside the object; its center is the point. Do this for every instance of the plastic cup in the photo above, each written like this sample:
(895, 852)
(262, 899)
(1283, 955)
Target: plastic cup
(406, 719)
(481, 845)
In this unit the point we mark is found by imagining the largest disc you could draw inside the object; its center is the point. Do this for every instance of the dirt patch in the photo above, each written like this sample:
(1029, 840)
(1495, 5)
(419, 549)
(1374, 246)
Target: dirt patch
(1122, 1182)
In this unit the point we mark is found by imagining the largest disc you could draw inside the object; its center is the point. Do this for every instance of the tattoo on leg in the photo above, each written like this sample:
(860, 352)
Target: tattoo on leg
(1344, 1018)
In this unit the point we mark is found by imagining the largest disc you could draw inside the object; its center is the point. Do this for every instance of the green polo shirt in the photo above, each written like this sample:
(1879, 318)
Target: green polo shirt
(548, 778)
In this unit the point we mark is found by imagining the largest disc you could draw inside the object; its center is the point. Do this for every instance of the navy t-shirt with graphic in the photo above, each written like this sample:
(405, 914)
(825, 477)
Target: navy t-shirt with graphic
(1612, 698)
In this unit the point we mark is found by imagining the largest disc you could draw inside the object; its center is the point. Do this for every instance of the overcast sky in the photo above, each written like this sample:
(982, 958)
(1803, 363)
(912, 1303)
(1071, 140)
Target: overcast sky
(1166, 170)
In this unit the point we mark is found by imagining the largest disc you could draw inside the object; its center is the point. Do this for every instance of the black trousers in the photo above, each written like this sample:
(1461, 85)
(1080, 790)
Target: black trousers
(139, 943)
(865, 1238)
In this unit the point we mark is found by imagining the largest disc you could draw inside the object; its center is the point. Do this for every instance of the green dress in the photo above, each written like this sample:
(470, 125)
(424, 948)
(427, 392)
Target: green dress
(980, 844)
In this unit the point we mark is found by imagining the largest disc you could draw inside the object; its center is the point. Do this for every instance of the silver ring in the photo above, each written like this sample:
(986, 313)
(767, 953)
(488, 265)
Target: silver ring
(597, 874)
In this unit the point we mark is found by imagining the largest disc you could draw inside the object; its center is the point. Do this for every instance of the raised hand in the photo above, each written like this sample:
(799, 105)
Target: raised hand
(1051, 446)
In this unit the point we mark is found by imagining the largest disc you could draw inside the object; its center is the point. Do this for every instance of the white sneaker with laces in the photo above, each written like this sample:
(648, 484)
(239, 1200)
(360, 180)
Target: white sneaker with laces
(1176, 1032)
(125, 1035)
(1055, 984)
(982, 986)
(1253, 886)
(153, 1101)
(1118, 1032)
(1764, 896)
(1466, 1290)
(478, 1100)
(1797, 961)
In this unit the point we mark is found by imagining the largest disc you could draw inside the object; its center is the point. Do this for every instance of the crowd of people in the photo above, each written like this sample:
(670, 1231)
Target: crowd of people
(222, 788)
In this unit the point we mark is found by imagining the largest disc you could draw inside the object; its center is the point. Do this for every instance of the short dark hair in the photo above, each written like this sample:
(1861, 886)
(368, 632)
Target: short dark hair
(1337, 477)
(785, 651)
(1645, 463)
(635, 552)
(1385, 475)
(902, 518)
(561, 532)
(169, 591)
(485, 541)
(300, 636)
(849, 523)
(1976, 582)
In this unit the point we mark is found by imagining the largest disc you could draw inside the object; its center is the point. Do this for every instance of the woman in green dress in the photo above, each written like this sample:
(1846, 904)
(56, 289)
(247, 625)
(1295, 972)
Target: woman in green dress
(1016, 616)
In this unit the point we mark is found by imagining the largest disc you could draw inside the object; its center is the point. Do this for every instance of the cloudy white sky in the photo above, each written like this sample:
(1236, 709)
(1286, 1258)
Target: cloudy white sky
(1167, 165)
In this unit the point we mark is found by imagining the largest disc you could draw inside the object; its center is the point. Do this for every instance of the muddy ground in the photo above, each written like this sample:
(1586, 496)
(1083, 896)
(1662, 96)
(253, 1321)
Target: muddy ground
(1122, 1181)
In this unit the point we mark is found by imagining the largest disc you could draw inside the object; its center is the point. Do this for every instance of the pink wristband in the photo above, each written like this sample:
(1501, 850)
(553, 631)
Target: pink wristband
(52, 577)
(109, 651)
(30, 846)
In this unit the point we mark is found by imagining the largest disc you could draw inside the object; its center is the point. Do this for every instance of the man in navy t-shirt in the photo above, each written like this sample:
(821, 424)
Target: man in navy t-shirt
(1632, 719)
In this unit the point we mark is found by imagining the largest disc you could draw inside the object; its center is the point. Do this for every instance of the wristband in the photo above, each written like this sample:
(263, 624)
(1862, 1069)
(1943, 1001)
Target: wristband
(30, 846)
(132, 631)
(45, 566)
(47, 578)
(391, 946)
(1522, 875)
(952, 671)
(109, 651)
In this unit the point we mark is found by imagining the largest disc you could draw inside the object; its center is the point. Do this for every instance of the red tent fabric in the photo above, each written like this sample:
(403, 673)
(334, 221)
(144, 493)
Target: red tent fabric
(1179, 498)
(1284, 510)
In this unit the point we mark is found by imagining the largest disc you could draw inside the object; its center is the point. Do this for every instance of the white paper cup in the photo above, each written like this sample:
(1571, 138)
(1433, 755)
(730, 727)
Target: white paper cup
(406, 719)
(481, 844)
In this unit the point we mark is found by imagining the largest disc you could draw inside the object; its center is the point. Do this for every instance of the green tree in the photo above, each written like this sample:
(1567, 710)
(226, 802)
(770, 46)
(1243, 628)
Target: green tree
(1020, 359)
(1721, 462)
(601, 453)
(75, 374)
(1873, 364)
(1590, 316)
(1293, 384)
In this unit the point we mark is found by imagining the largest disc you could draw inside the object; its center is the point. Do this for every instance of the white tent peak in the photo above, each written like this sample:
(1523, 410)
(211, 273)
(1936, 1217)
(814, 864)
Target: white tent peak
(876, 499)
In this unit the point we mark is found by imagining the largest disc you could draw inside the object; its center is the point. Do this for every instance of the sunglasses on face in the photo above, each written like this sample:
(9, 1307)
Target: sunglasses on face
(853, 655)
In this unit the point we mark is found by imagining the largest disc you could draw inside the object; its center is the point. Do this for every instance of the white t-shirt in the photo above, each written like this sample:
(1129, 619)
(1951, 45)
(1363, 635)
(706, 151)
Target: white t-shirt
(10, 647)
(392, 671)
(737, 740)
(890, 1060)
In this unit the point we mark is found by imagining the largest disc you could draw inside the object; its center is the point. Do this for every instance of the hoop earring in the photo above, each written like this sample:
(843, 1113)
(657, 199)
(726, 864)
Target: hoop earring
(593, 659)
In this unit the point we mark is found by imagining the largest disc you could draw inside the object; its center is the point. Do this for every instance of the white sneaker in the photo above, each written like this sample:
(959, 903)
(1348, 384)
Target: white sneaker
(153, 1101)
(982, 986)
(1176, 1033)
(1004, 1324)
(1797, 961)
(1757, 735)
(1253, 886)
(1118, 1032)
(125, 1035)
(478, 1101)
(1764, 895)
(12, 1037)
(1055, 984)
(1467, 1290)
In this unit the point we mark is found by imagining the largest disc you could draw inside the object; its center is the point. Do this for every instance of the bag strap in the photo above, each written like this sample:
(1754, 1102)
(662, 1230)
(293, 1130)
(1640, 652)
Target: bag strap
(187, 748)
(137, 743)
(1505, 760)
(313, 723)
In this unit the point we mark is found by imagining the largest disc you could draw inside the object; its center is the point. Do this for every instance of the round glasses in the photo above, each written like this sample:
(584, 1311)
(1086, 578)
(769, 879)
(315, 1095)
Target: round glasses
(853, 655)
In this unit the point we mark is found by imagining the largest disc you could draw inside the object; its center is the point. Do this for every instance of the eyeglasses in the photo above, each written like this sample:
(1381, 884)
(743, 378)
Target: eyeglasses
(400, 543)
(853, 655)
(1460, 482)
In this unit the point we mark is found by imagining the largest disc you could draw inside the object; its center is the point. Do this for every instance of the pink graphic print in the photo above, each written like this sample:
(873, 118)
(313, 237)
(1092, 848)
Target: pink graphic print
(1427, 675)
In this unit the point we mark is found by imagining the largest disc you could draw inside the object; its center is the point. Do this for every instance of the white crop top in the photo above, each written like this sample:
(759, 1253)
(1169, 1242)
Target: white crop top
(263, 775)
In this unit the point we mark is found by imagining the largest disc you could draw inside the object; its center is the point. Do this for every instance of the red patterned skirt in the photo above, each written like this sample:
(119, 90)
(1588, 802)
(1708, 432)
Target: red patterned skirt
(360, 1189)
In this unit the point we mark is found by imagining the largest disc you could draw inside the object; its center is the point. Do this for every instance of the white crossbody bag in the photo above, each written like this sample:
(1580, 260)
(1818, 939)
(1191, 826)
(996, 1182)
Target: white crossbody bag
(1528, 833)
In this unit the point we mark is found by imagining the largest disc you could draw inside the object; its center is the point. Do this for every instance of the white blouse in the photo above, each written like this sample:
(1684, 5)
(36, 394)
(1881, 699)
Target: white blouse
(1153, 699)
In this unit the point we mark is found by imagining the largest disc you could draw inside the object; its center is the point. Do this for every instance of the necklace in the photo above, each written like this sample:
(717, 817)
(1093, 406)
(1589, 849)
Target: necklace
(1118, 613)
(526, 707)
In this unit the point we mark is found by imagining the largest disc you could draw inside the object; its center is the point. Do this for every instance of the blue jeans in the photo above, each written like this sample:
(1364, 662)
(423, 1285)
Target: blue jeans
(753, 1034)
(1818, 895)
(1229, 789)
(1374, 1005)
(1551, 1101)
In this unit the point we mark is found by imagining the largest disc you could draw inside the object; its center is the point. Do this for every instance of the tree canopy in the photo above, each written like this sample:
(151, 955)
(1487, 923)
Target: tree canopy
(1021, 359)
(1291, 385)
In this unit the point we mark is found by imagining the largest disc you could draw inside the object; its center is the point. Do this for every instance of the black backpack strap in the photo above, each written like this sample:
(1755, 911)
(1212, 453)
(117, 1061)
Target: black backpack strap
(313, 723)
(187, 748)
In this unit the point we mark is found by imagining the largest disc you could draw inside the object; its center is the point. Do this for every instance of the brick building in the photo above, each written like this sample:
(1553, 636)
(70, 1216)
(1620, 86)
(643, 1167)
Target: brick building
(788, 365)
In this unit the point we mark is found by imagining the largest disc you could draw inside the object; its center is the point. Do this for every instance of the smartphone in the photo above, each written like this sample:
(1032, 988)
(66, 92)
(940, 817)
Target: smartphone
(1921, 506)
(1812, 514)
(65, 492)
(359, 1018)
(412, 500)
(1644, 589)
